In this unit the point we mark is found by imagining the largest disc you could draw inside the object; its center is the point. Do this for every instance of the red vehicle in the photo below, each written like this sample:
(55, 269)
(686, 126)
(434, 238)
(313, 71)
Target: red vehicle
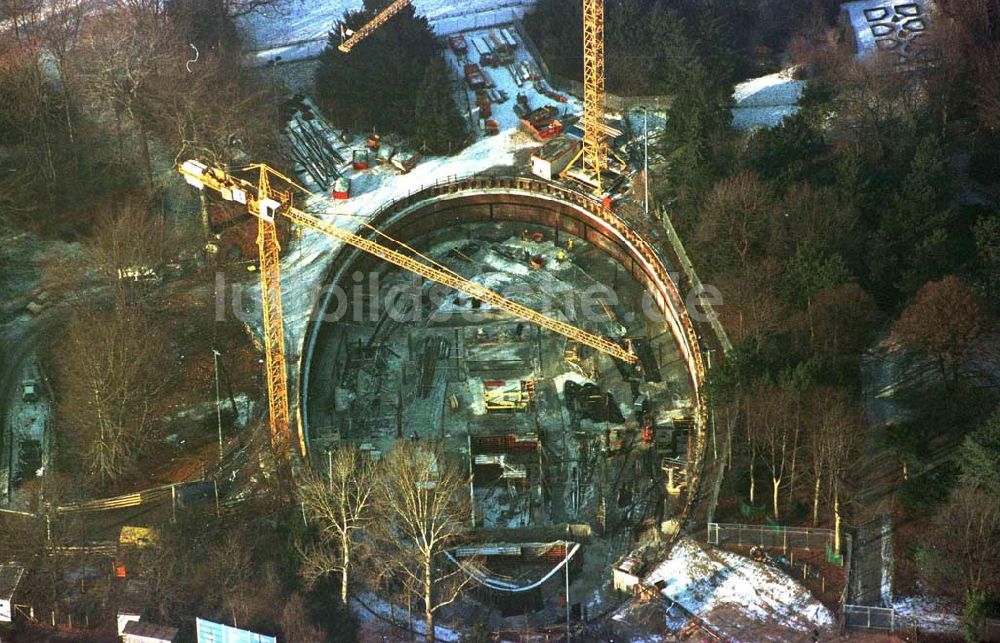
(341, 188)
(458, 45)
(474, 76)
(359, 159)
(541, 123)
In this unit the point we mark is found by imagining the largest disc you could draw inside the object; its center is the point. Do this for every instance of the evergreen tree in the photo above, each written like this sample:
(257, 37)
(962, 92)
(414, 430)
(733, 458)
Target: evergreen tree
(979, 457)
(438, 126)
(377, 83)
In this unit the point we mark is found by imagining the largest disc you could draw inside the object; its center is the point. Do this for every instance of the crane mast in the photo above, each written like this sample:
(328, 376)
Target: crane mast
(273, 320)
(592, 158)
(265, 203)
(373, 24)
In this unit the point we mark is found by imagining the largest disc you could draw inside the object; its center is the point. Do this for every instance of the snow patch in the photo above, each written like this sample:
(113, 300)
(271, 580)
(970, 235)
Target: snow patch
(731, 593)
(298, 29)
(766, 101)
(928, 614)
(396, 614)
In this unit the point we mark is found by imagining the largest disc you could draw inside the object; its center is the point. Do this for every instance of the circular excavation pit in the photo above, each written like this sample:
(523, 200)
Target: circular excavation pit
(554, 433)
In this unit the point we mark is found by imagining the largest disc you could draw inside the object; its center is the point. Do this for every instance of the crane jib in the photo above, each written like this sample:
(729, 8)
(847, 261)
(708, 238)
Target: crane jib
(235, 189)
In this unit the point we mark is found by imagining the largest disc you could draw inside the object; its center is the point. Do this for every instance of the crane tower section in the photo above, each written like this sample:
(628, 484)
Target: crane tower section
(592, 160)
(595, 153)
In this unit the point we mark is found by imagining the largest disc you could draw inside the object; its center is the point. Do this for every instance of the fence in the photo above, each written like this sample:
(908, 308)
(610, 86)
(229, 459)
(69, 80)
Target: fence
(855, 617)
(775, 536)
(990, 630)
(692, 276)
(177, 492)
(862, 617)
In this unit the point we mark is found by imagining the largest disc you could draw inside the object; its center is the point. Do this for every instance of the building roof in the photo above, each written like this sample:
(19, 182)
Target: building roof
(150, 630)
(10, 576)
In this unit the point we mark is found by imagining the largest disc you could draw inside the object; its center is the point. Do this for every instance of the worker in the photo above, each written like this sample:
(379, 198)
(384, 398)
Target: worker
(561, 256)
(569, 244)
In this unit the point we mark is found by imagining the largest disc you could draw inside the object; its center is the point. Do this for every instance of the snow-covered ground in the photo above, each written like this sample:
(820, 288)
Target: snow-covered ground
(766, 101)
(297, 29)
(504, 82)
(737, 597)
(926, 614)
(396, 614)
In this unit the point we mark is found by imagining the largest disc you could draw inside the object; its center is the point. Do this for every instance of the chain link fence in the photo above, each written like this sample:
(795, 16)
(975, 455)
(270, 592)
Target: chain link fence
(772, 536)
(862, 617)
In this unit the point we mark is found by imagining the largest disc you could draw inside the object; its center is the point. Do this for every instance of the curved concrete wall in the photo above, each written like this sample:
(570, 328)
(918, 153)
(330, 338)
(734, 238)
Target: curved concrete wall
(536, 202)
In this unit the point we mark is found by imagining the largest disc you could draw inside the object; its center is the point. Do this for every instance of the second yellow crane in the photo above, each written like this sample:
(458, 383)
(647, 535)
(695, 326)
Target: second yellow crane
(264, 202)
(380, 19)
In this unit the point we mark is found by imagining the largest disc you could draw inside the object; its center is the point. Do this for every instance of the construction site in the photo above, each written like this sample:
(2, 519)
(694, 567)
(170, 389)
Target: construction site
(513, 317)
(554, 432)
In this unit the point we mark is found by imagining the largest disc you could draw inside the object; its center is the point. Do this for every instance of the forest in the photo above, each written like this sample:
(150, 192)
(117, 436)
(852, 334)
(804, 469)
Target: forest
(861, 232)
(393, 81)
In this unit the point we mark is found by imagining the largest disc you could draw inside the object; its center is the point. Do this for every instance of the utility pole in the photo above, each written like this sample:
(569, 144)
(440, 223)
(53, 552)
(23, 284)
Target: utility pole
(218, 402)
(472, 489)
(566, 569)
(645, 158)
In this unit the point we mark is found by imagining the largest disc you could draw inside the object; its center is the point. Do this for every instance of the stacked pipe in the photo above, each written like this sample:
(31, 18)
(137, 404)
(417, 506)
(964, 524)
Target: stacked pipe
(311, 146)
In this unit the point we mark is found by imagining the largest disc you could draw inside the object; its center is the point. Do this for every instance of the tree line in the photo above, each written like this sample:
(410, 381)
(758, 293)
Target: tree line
(393, 520)
(866, 221)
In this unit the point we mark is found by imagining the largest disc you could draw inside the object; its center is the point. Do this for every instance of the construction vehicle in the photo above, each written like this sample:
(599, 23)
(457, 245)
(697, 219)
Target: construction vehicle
(458, 45)
(359, 160)
(484, 104)
(342, 188)
(521, 106)
(541, 123)
(265, 202)
(474, 76)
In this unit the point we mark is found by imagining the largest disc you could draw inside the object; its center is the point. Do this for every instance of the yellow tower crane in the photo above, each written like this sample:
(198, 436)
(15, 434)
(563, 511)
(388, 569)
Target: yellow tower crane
(264, 202)
(593, 158)
(590, 162)
(373, 24)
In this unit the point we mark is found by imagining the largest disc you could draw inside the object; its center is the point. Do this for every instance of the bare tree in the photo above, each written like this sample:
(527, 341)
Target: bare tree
(339, 507)
(841, 432)
(21, 15)
(424, 506)
(964, 547)
(944, 321)
(128, 237)
(117, 60)
(772, 428)
(295, 622)
(735, 214)
(109, 370)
